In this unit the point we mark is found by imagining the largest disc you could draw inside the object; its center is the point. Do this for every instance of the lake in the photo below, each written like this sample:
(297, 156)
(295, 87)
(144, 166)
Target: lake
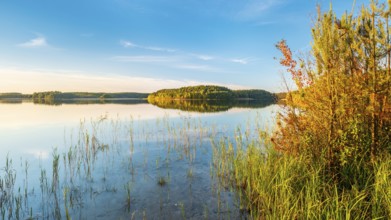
(121, 159)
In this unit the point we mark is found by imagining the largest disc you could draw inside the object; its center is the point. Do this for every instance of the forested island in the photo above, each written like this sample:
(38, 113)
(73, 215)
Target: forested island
(206, 92)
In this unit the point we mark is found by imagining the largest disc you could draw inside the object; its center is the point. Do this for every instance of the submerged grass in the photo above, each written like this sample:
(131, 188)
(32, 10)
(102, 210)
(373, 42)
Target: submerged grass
(89, 168)
(270, 185)
(162, 181)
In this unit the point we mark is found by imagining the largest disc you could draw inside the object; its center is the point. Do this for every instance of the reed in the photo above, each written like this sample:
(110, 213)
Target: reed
(128, 188)
(66, 208)
(55, 170)
(270, 185)
(182, 208)
(162, 181)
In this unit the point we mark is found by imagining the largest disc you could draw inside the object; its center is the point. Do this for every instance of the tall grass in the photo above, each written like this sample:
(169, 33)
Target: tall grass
(270, 185)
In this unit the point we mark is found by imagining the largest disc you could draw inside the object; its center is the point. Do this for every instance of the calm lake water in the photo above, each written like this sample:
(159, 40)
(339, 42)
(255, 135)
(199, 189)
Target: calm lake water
(118, 160)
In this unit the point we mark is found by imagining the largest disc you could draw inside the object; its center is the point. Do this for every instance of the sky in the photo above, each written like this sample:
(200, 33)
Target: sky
(146, 45)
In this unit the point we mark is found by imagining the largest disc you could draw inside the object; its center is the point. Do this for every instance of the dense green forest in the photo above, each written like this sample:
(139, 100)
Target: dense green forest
(206, 92)
(55, 95)
(257, 94)
(132, 101)
(194, 92)
(14, 95)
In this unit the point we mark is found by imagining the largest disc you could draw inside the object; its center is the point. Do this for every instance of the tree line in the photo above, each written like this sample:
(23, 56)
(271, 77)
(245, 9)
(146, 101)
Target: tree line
(58, 96)
(210, 92)
(14, 95)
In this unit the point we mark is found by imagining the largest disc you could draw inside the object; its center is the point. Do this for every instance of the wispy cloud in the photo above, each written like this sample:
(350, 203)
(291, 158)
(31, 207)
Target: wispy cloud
(203, 68)
(129, 44)
(176, 61)
(37, 42)
(183, 55)
(28, 81)
(265, 23)
(160, 49)
(254, 8)
(143, 59)
(241, 60)
(205, 57)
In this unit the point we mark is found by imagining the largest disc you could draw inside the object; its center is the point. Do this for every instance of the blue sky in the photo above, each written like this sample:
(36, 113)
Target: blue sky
(145, 45)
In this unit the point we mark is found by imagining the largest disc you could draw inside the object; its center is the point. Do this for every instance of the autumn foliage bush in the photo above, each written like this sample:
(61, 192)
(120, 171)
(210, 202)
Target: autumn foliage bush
(340, 111)
(330, 156)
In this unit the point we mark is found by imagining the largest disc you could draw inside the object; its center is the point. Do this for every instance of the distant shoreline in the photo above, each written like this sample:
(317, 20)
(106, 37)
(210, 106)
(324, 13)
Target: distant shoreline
(190, 93)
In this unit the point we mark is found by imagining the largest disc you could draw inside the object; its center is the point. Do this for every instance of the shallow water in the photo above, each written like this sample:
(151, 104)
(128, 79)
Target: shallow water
(116, 161)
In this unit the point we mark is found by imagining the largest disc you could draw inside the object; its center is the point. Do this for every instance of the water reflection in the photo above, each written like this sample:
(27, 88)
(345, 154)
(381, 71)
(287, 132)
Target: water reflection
(201, 106)
(12, 101)
(210, 105)
(97, 161)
